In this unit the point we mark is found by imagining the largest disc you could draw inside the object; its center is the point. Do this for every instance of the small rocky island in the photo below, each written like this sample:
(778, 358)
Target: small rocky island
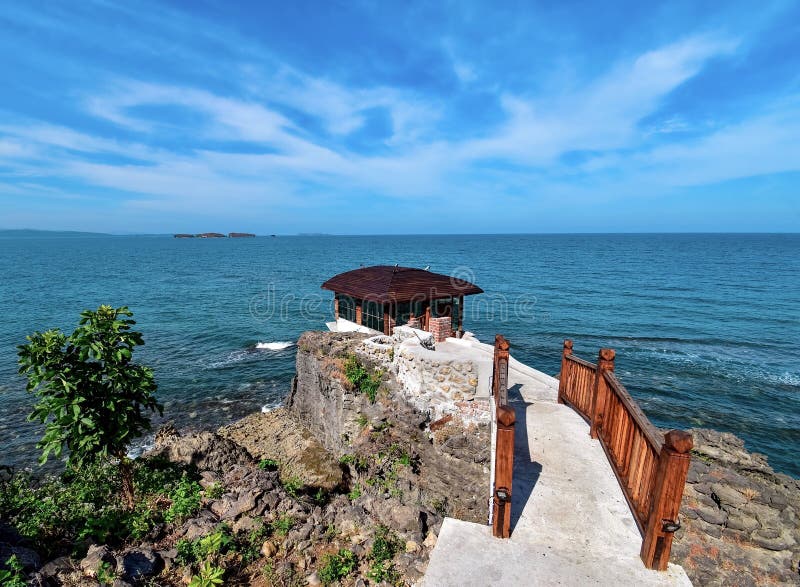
(349, 482)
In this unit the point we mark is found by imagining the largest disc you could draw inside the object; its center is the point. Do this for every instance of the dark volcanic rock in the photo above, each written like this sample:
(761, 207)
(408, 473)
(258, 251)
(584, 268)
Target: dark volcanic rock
(137, 563)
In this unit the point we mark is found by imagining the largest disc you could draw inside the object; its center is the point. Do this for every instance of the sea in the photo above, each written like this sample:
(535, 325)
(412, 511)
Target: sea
(706, 326)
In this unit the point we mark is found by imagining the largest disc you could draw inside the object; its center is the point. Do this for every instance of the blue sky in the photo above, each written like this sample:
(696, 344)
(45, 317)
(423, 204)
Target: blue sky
(437, 117)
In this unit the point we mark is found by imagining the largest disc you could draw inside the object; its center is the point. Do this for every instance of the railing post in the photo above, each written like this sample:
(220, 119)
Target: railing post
(503, 472)
(605, 362)
(673, 466)
(562, 377)
(500, 370)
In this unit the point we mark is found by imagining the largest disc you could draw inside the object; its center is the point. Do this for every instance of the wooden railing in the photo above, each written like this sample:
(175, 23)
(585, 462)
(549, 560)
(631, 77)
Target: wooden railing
(651, 468)
(504, 442)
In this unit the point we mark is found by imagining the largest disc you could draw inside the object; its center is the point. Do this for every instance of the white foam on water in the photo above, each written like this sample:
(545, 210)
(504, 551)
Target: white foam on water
(267, 408)
(274, 346)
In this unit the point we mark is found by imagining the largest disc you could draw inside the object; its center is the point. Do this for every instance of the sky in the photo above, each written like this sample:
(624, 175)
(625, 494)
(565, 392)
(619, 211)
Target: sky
(400, 117)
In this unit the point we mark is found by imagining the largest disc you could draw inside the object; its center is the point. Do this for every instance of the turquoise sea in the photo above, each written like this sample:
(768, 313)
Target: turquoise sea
(706, 327)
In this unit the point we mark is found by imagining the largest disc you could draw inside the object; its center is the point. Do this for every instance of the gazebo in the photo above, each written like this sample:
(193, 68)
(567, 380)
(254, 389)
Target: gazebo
(384, 296)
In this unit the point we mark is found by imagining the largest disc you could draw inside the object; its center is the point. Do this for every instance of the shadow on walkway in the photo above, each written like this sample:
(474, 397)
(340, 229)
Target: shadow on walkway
(526, 470)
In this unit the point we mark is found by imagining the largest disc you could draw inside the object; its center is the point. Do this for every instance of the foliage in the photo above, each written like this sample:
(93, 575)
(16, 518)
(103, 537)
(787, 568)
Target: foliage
(215, 490)
(186, 500)
(268, 464)
(14, 576)
(106, 574)
(209, 576)
(362, 421)
(385, 546)
(250, 544)
(355, 493)
(210, 546)
(292, 486)
(361, 379)
(337, 566)
(90, 395)
(282, 525)
(83, 504)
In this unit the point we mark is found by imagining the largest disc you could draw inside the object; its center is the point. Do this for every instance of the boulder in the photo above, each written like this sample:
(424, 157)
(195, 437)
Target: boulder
(96, 556)
(205, 450)
(137, 563)
(279, 436)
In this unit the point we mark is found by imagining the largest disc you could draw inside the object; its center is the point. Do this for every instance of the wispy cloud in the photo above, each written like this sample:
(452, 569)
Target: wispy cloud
(276, 134)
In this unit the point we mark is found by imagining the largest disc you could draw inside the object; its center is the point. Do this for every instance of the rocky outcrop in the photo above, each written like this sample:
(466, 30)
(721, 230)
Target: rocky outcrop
(388, 444)
(278, 436)
(741, 520)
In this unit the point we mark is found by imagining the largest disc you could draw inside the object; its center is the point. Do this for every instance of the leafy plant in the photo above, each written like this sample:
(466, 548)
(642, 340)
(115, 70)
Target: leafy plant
(355, 493)
(358, 376)
(384, 547)
(106, 573)
(90, 395)
(186, 500)
(14, 576)
(209, 576)
(336, 567)
(215, 490)
(362, 421)
(268, 464)
(282, 525)
(292, 486)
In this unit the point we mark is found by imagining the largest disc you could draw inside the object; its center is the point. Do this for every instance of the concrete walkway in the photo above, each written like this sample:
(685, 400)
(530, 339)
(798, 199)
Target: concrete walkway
(570, 522)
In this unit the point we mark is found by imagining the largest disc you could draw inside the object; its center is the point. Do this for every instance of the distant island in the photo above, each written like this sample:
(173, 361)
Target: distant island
(216, 235)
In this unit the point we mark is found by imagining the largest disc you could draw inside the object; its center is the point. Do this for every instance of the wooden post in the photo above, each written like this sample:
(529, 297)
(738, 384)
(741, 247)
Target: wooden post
(500, 370)
(387, 316)
(562, 377)
(673, 466)
(427, 325)
(605, 362)
(358, 314)
(503, 472)
(336, 308)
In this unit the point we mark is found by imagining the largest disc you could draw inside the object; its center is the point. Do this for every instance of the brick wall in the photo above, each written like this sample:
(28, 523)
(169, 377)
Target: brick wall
(441, 328)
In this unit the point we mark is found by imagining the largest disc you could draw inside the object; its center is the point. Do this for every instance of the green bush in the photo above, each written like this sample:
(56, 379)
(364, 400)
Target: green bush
(209, 576)
(385, 546)
(336, 567)
(83, 504)
(186, 500)
(14, 576)
(268, 464)
(282, 525)
(361, 379)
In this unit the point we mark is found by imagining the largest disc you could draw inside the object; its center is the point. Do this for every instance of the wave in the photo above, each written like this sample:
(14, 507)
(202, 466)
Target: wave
(273, 346)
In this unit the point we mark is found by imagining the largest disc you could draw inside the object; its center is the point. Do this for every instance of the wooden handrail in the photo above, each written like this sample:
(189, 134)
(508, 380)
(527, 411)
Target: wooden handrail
(651, 468)
(504, 442)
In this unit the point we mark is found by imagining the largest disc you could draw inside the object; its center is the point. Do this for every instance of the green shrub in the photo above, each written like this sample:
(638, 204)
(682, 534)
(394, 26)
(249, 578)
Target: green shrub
(214, 491)
(355, 493)
(358, 376)
(385, 546)
(186, 498)
(209, 576)
(282, 525)
(268, 464)
(292, 486)
(14, 576)
(106, 573)
(336, 567)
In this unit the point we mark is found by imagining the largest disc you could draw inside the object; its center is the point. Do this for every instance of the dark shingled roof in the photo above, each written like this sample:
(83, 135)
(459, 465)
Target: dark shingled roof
(386, 283)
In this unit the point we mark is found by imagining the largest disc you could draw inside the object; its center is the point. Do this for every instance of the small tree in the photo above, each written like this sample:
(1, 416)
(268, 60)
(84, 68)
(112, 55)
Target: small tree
(91, 397)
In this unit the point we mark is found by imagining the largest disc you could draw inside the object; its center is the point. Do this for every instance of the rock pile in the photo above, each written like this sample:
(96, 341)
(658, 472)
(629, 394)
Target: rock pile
(741, 520)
